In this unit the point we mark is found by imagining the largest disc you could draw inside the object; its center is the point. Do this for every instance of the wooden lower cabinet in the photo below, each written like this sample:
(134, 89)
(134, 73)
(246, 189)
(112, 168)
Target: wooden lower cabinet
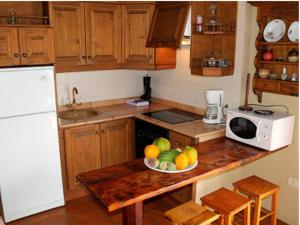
(177, 140)
(116, 142)
(82, 147)
(91, 147)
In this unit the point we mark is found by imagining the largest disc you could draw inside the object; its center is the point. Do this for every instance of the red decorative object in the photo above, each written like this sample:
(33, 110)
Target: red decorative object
(268, 55)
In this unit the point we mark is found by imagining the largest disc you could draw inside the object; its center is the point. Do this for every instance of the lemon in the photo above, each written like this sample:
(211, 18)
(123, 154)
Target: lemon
(181, 161)
(151, 151)
(191, 153)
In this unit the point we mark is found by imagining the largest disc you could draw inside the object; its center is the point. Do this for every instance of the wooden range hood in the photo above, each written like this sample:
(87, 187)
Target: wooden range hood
(168, 23)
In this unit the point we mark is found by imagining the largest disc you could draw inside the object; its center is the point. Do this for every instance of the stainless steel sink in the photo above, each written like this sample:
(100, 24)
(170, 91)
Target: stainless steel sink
(76, 114)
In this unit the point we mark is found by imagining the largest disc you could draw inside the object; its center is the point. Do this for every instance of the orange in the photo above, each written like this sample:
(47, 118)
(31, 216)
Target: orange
(181, 161)
(151, 151)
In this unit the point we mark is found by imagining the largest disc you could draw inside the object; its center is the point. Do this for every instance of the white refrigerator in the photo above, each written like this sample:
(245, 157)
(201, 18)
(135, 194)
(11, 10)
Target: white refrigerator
(30, 169)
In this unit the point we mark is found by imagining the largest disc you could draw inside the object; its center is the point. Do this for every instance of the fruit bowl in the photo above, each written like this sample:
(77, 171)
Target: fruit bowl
(188, 168)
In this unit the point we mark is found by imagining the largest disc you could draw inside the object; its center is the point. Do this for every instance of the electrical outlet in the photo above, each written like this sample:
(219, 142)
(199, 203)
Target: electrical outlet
(293, 182)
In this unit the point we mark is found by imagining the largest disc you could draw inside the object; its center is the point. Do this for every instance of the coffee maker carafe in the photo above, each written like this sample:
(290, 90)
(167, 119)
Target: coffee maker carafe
(214, 108)
(147, 89)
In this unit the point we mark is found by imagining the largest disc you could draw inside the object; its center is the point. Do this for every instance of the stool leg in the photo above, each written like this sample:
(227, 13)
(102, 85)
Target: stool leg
(247, 215)
(256, 218)
(274, 208)
(228, 219)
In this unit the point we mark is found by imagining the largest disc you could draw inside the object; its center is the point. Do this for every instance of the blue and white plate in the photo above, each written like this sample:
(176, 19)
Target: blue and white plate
(293, 32)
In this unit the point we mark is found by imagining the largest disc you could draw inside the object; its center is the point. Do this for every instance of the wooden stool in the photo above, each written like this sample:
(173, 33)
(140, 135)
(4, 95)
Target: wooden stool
(191, 213)
(228, 203)
(258, 189)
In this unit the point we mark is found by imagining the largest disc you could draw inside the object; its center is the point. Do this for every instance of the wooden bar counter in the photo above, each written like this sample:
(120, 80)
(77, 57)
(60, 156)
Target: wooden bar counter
(127, 185)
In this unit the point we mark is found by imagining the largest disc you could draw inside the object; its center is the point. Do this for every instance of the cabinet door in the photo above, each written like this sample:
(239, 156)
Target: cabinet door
(82, 147)
(69, 33)
(136, 19)
(179, 141)
(103, 34)
(168, 24)
(9, 46)
(116, 142)
(36, 46)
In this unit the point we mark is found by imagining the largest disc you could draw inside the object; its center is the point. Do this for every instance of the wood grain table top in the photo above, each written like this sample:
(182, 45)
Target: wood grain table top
(132, 182)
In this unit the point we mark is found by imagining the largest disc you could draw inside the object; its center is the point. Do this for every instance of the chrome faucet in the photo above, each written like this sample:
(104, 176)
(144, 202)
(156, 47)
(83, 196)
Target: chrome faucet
(74, 93)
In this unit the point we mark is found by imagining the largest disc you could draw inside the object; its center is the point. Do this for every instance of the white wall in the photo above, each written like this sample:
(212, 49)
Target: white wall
(100, 85)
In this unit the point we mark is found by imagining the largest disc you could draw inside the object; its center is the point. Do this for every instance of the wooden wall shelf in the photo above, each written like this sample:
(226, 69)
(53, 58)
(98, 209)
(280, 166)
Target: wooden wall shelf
(219, 38)
(279, 63)
(212, 71)
(288, 12)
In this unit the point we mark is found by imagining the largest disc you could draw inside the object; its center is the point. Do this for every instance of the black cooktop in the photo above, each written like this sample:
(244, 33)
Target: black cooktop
(174, 116)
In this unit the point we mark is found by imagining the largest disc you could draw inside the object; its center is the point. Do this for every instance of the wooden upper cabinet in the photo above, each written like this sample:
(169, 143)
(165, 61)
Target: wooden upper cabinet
(9, 46)
(136, 19)
(69, 33)
(168, 24)
(116, 142)
(103, 34)
(36, 46)
(82, 147)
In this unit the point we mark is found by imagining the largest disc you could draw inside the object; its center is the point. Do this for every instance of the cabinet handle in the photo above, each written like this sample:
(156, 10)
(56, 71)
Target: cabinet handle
(89, 57)
(83, 57)
(97, 132)
(102, 131)
(24, 55)
(16, 55)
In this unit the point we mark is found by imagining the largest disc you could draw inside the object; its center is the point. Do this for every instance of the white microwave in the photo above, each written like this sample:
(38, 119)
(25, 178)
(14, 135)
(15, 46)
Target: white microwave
(269, 132)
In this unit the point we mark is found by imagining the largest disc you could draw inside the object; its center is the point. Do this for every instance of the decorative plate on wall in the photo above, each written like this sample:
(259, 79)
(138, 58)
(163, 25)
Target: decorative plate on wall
(293, 32)
(274, 30)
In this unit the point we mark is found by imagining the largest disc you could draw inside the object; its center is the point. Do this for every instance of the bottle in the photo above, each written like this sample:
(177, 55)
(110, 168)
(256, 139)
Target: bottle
(284, 75)
(199, 23)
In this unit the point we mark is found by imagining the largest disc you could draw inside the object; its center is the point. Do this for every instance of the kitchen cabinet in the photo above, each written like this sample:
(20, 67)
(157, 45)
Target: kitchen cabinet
(177, 140)
(110, 35)
(213, 38)
(26, 46)
(136, 19)
(103, 34)
(9, 47)
(94, 146)
(82, 147)
(268, 11)
(168, 24)
(69, 33)
(116, 142)
(36, 46)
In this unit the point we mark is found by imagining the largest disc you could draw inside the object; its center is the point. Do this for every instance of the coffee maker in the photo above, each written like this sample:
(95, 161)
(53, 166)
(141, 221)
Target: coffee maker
(147, 89)
(214, 108)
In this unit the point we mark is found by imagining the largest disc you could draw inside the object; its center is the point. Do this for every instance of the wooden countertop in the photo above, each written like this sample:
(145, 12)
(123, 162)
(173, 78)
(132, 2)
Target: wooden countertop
(129, 183)
(195, 129)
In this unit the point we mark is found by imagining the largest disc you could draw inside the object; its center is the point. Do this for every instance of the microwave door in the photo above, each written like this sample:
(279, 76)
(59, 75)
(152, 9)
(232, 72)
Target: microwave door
(243, 128)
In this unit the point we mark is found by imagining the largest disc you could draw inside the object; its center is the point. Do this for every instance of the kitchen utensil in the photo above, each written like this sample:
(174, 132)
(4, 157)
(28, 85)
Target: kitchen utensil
(274, 30)
(188, 168)
(268, 55)
(294, 77)
(293, 55)
(273, 76)
(293, 32)
(214, 108)
(263, 73)
(246, 107)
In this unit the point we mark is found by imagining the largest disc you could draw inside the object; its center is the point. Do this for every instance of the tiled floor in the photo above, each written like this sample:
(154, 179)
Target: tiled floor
(85, 211)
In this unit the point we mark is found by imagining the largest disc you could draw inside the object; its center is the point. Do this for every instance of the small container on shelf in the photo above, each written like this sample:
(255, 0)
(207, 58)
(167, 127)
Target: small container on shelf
(284, 75)
(263, 73)
(293, 55)
(199, 24)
